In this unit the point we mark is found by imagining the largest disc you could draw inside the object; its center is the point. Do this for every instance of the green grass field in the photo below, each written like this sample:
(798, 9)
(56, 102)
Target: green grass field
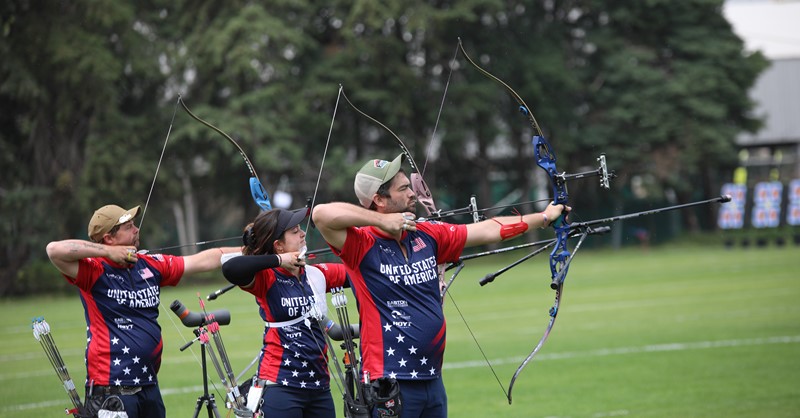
(676, 331)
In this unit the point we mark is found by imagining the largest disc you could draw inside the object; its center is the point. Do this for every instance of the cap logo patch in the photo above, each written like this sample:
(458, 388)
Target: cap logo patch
(380, 163)
(125, 218)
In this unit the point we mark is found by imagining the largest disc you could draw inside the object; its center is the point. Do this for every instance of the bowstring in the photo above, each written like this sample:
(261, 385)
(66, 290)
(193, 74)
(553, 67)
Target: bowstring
(453, 64)
(160, 159)
(474, 338)
(141, 221)
(324, 155)
(325, 337)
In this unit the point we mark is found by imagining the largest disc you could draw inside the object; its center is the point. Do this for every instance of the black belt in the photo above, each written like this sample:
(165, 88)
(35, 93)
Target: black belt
(116, 390)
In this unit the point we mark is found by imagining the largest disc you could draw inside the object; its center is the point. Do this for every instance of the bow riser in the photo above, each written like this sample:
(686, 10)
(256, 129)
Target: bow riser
(559, 257)
(546, 159)
(423, 193)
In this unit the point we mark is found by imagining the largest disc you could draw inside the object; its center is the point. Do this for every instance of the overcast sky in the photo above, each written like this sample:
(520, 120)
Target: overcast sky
(771, 26)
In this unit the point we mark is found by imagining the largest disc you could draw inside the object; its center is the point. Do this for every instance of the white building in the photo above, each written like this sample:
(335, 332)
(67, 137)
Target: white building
(772, 27)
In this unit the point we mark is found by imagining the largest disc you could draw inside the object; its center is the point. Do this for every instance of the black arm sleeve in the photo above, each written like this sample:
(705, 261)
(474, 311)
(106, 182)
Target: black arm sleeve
(242, 270)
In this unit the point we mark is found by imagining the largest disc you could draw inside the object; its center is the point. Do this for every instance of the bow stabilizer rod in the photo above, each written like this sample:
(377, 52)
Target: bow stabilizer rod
(458, 265)
(574, 232)
(719, 199)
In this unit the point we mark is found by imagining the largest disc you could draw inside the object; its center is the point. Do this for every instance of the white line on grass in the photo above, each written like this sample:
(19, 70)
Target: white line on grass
(655, 348)
(633, 350)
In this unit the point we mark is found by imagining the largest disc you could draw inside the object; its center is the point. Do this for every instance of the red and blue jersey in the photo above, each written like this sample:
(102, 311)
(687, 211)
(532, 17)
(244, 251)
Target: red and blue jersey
(295, 355)
(399, 305)
(121, 308)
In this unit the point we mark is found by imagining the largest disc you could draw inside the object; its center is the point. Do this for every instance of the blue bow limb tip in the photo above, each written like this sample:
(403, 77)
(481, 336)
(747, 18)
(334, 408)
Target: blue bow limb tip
(260, 195)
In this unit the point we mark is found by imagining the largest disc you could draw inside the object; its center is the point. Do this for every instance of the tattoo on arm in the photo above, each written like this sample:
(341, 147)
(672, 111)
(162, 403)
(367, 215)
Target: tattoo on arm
(74, 247)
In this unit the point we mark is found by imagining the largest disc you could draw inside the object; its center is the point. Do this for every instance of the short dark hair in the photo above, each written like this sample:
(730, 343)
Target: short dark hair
(383, 191)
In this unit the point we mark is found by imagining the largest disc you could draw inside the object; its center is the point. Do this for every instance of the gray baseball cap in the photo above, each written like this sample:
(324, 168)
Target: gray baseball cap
(372, 175)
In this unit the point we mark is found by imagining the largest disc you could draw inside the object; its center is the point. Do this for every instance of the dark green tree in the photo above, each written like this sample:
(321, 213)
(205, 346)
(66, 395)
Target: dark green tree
(90, 90)
(74, 75)
(665, 91)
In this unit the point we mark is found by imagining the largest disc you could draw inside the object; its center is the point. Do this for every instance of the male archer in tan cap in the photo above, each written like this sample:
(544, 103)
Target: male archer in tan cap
(120, 291)
(391, 259)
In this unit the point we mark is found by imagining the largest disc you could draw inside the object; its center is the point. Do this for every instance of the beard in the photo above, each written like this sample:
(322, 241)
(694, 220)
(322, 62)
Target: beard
(410, 207)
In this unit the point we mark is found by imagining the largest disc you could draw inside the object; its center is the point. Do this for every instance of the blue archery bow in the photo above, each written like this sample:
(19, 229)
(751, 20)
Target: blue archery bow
(560, 257)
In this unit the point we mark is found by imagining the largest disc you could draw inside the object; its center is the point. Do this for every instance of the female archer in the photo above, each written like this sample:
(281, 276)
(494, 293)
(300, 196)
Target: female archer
(292, 367)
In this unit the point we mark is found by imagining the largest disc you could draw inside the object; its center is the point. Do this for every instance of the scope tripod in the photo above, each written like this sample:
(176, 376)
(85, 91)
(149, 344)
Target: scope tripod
(206, 398)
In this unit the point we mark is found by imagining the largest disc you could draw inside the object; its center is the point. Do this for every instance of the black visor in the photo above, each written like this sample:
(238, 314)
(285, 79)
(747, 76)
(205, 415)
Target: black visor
(287, 219)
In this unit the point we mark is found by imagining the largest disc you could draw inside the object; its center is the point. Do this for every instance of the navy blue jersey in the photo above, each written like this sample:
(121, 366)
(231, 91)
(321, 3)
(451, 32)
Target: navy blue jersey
(295, 355)
(399, 305)
(121, 307)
